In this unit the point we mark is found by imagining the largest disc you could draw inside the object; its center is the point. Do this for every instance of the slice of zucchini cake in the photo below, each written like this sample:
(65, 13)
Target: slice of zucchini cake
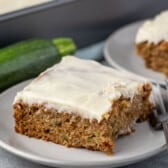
(81, 103)
(152, 43)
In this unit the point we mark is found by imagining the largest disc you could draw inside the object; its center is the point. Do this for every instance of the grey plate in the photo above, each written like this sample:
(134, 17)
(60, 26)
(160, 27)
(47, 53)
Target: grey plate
(120, 53)
(144, 143)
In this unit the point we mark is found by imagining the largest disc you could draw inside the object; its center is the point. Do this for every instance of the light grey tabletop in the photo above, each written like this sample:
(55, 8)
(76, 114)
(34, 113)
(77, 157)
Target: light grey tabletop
(8, 160)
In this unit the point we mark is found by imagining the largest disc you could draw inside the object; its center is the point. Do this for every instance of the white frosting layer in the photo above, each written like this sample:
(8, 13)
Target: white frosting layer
(13, 5)
(154, 30)
(81, 86)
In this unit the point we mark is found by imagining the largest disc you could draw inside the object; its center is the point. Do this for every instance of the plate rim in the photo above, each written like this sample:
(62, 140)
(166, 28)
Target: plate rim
(113, 63)
(63, 163)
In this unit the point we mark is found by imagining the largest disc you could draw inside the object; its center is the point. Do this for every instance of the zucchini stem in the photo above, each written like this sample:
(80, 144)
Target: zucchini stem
(65, 46)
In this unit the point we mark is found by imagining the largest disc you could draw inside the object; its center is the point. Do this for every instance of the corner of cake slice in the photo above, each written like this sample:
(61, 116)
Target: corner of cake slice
(152, 42)
(81, 103)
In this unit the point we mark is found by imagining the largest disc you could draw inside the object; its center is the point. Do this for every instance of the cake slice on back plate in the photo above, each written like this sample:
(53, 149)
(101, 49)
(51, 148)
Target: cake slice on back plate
(152, 43)
(81, 103)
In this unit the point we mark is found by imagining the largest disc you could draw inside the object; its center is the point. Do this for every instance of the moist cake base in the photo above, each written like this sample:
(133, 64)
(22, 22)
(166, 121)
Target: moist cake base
(72, 130)
(155, 55)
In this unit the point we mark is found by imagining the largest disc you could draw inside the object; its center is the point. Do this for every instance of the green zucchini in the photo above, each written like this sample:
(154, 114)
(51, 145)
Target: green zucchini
(26, 59)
